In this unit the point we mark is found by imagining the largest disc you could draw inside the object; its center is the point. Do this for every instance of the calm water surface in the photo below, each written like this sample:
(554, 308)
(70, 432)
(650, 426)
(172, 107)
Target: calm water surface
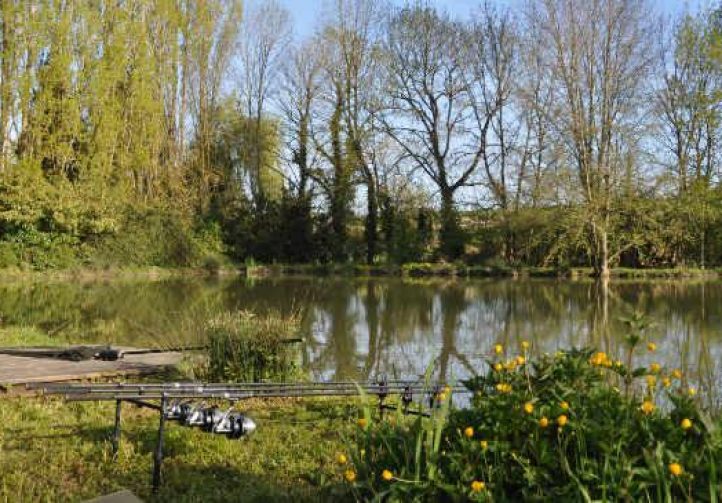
(357, 328)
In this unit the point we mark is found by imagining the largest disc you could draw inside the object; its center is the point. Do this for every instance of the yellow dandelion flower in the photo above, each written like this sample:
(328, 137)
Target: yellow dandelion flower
(528, 407)
(498, 349)
(654, 368)
(564, 405)
(484, 444)
(520, 360)
(498, 367)
(543, 422)
(676, 469)
(525, 345)
(647, 407)
(651, 381)
(686, 424)
(562, 420)
(341, 459)
(477, 486)
(469, 432)
(387, 475)
(651, 347)
(350, 475)
(692, 391)
(667, 382)
(677, 374)
(441, 396)
(618, 363)
(362, 423)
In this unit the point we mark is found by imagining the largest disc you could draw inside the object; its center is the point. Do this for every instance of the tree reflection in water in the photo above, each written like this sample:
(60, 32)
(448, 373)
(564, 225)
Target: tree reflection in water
(359, 328)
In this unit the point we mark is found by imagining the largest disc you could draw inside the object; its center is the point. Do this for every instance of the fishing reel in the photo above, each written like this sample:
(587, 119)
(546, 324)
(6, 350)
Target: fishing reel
(235, 425)
(176, 410)
(191, 415)
(211, 417)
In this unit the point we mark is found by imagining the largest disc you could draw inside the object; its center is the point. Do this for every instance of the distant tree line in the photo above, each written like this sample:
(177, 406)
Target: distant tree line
(557, 133)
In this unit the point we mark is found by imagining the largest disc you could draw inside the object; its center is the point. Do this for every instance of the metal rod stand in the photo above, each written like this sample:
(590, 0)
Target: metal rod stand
(116, 431)
(158, 456)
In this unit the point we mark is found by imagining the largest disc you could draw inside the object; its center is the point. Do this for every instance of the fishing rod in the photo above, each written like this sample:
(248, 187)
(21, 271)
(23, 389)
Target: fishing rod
(191, 403)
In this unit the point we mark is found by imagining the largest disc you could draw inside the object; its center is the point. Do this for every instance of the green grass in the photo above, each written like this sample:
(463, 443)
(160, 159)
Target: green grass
(28, 336)
(56, 451)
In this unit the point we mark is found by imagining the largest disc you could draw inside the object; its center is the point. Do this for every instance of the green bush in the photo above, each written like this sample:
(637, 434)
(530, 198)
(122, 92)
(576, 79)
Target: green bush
(575, 426)
(248, 348)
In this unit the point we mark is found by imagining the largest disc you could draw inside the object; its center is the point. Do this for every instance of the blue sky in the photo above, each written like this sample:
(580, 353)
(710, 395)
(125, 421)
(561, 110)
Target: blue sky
(306, 12)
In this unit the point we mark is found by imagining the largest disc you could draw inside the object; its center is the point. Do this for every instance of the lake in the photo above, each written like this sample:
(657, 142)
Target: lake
(359, 328)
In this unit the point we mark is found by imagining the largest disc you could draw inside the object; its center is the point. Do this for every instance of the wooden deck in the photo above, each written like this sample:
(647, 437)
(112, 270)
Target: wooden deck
(22, 370)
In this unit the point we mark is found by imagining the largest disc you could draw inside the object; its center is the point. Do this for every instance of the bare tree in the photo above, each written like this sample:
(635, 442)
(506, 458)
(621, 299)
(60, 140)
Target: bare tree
(298, 96)
(598, 55)
(688, 102)
(265, 34)
(438, 108)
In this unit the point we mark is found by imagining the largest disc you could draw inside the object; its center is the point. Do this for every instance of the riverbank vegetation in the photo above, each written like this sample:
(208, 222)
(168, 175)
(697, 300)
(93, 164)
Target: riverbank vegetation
(554, 134)
(575, 426)
(578, 425)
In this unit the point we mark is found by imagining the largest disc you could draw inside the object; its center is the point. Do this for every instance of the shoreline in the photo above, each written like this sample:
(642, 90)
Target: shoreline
(411, 271)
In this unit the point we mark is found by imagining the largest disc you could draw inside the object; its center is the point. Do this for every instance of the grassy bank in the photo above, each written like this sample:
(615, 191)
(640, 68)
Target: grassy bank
(53, 451)
(460, 270)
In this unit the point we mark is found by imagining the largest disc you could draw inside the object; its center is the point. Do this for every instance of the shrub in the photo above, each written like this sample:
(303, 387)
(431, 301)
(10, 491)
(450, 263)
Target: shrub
(562, 427)
(246, 348)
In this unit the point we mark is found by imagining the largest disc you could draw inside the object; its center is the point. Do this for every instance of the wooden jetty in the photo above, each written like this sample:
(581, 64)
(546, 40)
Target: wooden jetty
(24, 370)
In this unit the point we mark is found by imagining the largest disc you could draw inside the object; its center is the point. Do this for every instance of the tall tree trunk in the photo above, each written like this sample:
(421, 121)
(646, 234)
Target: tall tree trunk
(452, 244)
(371, 230)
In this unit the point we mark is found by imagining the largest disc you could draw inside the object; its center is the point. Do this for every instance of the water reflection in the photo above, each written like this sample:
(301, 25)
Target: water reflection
(359, 328)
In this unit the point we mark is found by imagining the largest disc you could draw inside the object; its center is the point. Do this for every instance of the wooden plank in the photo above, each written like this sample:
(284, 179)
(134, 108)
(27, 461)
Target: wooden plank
(18, 370)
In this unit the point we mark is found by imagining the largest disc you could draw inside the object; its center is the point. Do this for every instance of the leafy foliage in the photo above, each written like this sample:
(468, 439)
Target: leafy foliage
(554, 427)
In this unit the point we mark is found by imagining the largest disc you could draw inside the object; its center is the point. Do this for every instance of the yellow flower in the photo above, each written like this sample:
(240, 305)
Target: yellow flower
(387, 475)
(667, 382)
(651, 347)
(600, 359)
(564, 405)
(510, 365)
(441, 396)
(676, 469)
(654, 368)
(469, 432)
(677, 374)
(651, 381)
(484, 444)
(477, 486)
(686, 424)
(618, 363)
(692, 391)
(349, 475)
(341, 459)
(447, 389)
(498, 367)
(562, 420)
(498, 349)
(647, 407)
(520, 360)
(543, 422)
(503, 387)
(528, 407)
(525, 345)
(362, 423)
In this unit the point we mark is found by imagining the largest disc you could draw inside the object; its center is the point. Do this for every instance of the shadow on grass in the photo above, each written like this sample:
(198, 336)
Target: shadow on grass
(184, 482)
